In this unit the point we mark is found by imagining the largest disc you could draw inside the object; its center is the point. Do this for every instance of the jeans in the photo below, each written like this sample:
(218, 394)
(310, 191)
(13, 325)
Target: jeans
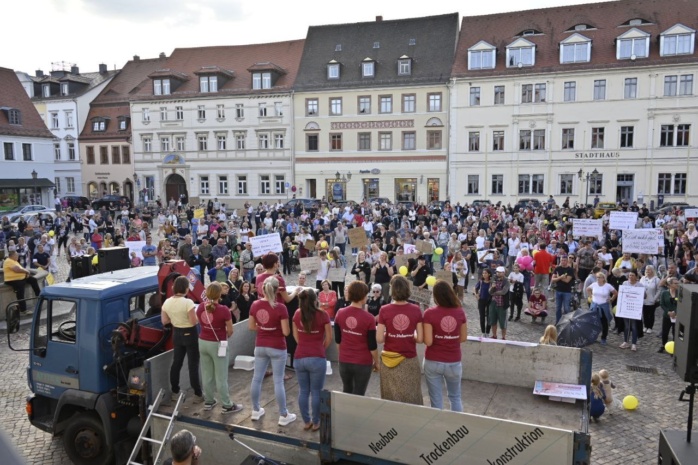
(355, 377)
(631, 327)
(562, 304)
(443, 255)
(341, 246)
(482, 307)
(248, 274)
(214, 371)
(310, 372)
(262, 357)
(185, 344)
(435, 374)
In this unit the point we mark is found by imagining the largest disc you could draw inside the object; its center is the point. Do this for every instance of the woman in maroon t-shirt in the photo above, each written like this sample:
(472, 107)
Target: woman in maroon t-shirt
(313, 333)
(355, 334)
(445, 328)
(269, 319)
(400, 328)
(271, 264)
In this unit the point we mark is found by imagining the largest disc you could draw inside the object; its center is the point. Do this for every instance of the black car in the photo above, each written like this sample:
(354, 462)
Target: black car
(117, 200)
(308, 204)
(527, 203)
(75, 201)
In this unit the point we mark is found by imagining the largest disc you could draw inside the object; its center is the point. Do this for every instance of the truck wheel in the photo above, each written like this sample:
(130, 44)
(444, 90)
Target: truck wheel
(85, 442)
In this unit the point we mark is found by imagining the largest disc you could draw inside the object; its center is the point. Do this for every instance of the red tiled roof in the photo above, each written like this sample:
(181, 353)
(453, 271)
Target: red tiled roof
(235, 58)
(555, 24)
(13, 95)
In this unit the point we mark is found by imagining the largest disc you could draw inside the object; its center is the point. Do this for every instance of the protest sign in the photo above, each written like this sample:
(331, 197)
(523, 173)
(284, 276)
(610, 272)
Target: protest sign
(587, 228)
(241, 212)
(409, 248)
(445, 276)
(570, 391)
(310, 244)
(357, 237)
(310, 263)
(403, 260)
(336, 275)
(135, 246)
(630, 300)
(421, 296)
(640, 241)
(266, 243)
(424, 247)
(199, 213)
(623, 220)
(484, 253)
(691, 213)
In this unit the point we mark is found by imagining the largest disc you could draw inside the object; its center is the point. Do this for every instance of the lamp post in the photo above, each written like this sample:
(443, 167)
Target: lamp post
(34, 176)
(585, 178)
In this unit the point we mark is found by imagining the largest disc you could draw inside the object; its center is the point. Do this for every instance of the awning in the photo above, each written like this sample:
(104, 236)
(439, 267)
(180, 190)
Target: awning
(25, 183)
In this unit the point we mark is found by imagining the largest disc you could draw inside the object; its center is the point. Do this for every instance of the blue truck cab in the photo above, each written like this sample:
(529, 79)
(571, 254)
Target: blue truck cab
(78, 364)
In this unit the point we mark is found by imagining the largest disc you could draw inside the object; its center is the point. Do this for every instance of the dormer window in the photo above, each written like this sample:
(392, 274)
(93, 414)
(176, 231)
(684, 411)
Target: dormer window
(46, 90)
(208, 83)
(99, 124)
(333, 70)
(161, 86)
(575, 49)
(64, 88)
(123, 123)
(678, 40)
(404, 66)
(261, 80)
(521, 53)
(481, 56)
(14, 116)
(368, 68)
(633, 44)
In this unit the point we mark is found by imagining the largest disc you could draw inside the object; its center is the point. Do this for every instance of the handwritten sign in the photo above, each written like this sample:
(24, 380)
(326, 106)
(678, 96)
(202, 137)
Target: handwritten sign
(660, 238)
(409, 248)
(421, 296)
(310, 244)
(484, 253)
(630, 299)
(424, 247)
(241, 212)
(310, 263)
(569, 391)
(336, 275)
(640, 241)
(585, 227)
(135, 246)
(403, 260)
(199, 213)
(444, 275)
(266, 243)
(357, 237)
(691, 213)
(623, 220)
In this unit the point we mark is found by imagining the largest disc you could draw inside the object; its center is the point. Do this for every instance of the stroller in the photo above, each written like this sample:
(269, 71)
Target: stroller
(577, 297)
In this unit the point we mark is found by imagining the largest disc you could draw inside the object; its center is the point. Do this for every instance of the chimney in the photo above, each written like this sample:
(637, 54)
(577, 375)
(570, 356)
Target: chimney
(74, 70)
(162, 55)
(39, 73)
(379, 19)
(102, 68)
(136, 58)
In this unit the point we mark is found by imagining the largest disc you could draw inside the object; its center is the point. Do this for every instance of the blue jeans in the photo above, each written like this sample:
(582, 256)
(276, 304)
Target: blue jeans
(341, 246)
(262, 357)
(630, 329)
(248, 274)
(435, 374)
(310, 372)
(444, 255)
(562, 304)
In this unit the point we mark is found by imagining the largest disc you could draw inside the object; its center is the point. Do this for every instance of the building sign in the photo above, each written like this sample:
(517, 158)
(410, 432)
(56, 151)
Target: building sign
(597, 155)
(394, 124)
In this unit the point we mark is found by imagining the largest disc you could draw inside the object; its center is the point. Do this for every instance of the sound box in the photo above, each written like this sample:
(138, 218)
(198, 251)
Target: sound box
(113, 258)
(674, 450)
(686, 334)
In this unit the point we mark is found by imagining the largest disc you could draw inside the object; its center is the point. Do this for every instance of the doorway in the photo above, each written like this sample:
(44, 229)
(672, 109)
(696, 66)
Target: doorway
(624, 189)
(311, 188)
(174, 187)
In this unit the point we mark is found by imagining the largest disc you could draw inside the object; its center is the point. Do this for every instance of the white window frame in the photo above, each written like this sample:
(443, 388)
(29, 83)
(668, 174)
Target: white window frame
(435, 101)
(221, 141)
(368, 69)
(580, 47)
(54, 120)
(57, 150)
(181, 143)
(333, 71)
(202, 142)
(147, 144)
(570, 91)
(223, 184)
(686, 84)
(241, 184)
(179, 113)
(165, 144)
(65, 88)
(475, 96)
(265, 184)
(404, 67)
(522, 52)
(240, 138)
(262, 110)
(482, 56)
(473, 184)
(279, 140)
(201, 112)
(71, 151)
(220, 111)
(630, 84)
(279, 184)
(68, 119)
(163, 113)
(673, 34)
(409, 103)
(239, 111)
(566, 185)
(70, 184)
(385, 104)
(634, 41)
(600, 86)
(204, 186)
(263, 141)
(146, 115)
(335, 106)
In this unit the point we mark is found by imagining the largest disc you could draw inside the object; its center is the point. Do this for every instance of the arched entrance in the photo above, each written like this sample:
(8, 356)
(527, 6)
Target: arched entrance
(174, 187)
(128, 189)
(103, 189)
(114, 188)
(92, 191)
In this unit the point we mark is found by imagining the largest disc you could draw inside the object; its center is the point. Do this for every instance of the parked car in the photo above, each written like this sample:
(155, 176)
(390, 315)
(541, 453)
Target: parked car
(308, 204)
(118, 200)
(525, 203)
(32, 217)
(379, 200)
(668, 207)
(75, 201)
(603, 207)
(480, 203)
(16, 212)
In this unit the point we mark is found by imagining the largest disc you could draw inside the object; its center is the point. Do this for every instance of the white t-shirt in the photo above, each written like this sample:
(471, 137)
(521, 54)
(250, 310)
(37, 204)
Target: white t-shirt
(601, 294)
(515, 277)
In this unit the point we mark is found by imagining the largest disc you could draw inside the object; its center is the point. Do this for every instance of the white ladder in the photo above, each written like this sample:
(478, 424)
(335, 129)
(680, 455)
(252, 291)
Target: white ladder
(153, 413)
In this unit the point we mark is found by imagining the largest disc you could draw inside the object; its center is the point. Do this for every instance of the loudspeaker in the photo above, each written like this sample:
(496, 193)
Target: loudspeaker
(686, 334)
(113, 258)
(81, 266)
(674, 450)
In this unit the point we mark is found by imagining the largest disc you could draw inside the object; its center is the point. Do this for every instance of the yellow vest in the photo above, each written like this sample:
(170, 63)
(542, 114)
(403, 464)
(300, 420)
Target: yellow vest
(10, 274)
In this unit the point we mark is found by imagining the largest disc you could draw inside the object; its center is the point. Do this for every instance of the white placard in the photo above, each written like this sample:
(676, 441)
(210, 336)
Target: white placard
(691, 212)
(630, 299)
(409, 248)
(484, 253)
(660, 238)
(582, 227)
(135, 246)
(623, 220)
(266, 243)
(569, 391)
(640, 241)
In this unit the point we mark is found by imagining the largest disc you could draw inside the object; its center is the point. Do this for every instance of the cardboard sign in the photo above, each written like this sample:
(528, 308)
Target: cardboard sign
(424, 247)
(266, 243)
(241, 212)
(444, 276)
(421, 296)
(199, 213)
(587, 228)
(630, 300)
(569, 391)
(309, 244)
(336, 275)
(310, 263)
(357, 237)
(623, 220)
(640, 241)
(403, 260)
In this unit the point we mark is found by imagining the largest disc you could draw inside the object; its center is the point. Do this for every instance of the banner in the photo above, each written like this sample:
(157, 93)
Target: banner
(445, 276)
(568, 391)
(424, 247)
(266, 243)
(691, 213)
(309, 244)
(357, 237)
(630, 299)
(409, 248)
(582, 227)
(623, 220)
(640, 241)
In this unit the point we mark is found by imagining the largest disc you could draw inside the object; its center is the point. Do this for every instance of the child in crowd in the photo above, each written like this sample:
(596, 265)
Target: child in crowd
(549, 336)
(608, 388)
(598, 398)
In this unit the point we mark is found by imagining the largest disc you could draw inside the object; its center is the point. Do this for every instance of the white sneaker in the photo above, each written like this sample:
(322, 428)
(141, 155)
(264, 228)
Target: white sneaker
(257, 414)
(484, 335)
(649, 331)
(287, 420)
(624, 345)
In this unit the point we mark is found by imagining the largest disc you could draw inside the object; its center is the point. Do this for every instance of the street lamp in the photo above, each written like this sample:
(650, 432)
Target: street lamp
(34, 176)
(583, 178)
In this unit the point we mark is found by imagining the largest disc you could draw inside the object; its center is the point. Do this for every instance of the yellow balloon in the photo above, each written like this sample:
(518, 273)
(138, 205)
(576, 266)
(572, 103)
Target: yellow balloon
(403, 270)
(51, 233)
(323, 244)
(535, 252)
(630, 402)
(669, 347)
(613, 310)
(431, 280)
(439, 251)
(95, 260)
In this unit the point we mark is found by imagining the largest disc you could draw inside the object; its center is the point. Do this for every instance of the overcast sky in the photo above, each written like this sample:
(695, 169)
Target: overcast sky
(88, 32)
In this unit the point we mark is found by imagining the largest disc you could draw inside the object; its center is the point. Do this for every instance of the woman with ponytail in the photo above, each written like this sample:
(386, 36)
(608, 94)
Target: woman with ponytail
(269, 319)
(313, 333)
(216, 327)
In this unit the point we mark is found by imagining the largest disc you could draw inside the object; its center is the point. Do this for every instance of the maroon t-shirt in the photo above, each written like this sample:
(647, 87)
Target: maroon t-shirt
(400, 324)
(259, 284)
(268, 319)
(311, 344)
(355, 324)
(446, 324)
(215, 319)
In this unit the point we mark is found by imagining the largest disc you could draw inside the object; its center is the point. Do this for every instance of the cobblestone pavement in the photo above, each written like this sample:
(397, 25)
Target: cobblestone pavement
(628, 437)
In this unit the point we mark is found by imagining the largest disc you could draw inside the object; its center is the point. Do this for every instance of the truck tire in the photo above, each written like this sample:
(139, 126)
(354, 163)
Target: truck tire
(85, 442)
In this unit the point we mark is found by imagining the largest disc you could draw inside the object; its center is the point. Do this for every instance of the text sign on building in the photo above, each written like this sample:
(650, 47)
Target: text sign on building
(412, 434)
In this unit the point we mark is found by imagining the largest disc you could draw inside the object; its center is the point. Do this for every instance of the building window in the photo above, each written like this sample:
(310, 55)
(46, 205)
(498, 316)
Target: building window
(523, 56)
(99, 125)
(146, 115)
(474, 96)
(567, 138)
(240, 141)
(433, 140)
(222, 185)
(499, 95)
(239, 111)
(677, 44)
(539, 139)
(9, 150)
(596, 184)
(261, 80)
(364, 105)
(262, 110)
(365, 141)
(386, 103)
(409, 140)
(161, 86)
(123, 123)
(335, 106)
(14, 116)
(335, 141)
(104, 155)
(147, 144)
(125, 155)
(68, 119)
(278, 141)
(180, 143)
(54, 121)
(539, 93)
(57, 151)
(664, 183)
(531, 184)
(203, 185)
(527, 93)
(242, 184)
(70, 184)
(575, 53)
(474, 141)
(630, 88)
(525, 139)
(263, 140)
(597, 138)
(497, 184)
(670, 85)
(71, 151)
(627, 134)
(385, 141)
(265, 184)
(333, 71)
(311, 106)
(208, 83)
(201, 112)
(163, 113)
(497, 141)
(65, 88)
(368, 69)
(312, 142)
(90, 155)
(179, 113)
(404, 67)
(524, 183)
(203, 142)
(686, 84)
(222, 141)
(164, 144)
(279, 184)
(481, 59)
(670, 132)
(680, 183)
(278, 109)
(635, 47)
(570, 94)
(473, 184)
(600, 89)
(434, 101)
(566, 184)
(682, 135)
(408, 103)
(116, 155)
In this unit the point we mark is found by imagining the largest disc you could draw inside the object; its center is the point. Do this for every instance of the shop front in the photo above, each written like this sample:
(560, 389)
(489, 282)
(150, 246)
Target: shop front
(19, 192)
